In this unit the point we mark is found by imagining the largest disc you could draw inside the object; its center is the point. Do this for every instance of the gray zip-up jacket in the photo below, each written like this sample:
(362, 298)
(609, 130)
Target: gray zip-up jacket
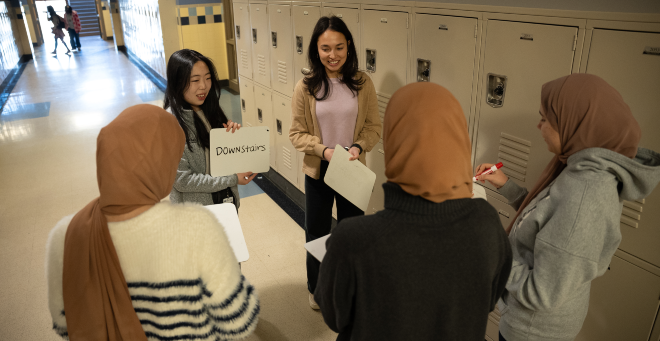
(192, 184)
(565, 238)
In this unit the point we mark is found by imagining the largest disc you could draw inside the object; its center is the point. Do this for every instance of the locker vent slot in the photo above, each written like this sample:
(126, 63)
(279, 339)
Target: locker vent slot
(281, 72)
(382, 105)
(261, 62)
(244, 59)
(286, 157)
(514, 154)
(632, 212)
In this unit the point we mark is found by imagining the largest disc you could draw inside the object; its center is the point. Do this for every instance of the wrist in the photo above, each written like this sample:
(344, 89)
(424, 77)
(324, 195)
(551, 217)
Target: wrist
(323, 153)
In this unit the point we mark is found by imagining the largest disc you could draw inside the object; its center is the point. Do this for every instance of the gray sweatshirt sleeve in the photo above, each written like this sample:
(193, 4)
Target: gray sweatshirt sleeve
(188, 181)
(513, 193)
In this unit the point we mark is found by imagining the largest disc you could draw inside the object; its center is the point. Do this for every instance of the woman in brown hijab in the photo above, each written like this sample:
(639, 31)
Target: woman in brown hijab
(567, 229)
(123, 267)
(432, 265)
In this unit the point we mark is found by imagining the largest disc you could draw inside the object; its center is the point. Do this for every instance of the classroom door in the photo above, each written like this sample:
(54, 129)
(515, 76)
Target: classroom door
(243, 36)
(304, 20)
(260, 37)
(281, 47)
(519, 58)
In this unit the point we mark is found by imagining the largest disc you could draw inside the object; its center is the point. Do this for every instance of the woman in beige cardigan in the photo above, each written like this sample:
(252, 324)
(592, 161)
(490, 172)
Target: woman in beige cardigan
(335, 104)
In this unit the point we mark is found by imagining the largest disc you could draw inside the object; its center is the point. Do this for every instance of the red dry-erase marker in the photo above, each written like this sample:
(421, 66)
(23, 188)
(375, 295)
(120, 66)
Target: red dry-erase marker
(489, 170)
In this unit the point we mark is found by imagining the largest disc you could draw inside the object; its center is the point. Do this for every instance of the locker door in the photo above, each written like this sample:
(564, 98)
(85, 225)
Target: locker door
(505, 212)
(528, 55)
(450, 67)
(625, 60)
(376, 162)
(264, 104)
(243, 34)
(351, 17)
(248, 108)
(304, 20)
(281, 46)
(623, 304)
(260, 37)
(386, 34)
(287, 156)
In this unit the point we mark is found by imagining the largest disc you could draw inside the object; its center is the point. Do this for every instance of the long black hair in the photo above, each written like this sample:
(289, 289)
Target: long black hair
(317, 78)
(51, 12)
(179, 69)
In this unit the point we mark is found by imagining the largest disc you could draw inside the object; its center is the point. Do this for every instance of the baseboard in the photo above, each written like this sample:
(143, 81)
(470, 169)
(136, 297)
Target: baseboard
(35, 45)
(26, 58)
(110, 38)
(9, 83)
(122, 48)
(224, 82)
(153, 76)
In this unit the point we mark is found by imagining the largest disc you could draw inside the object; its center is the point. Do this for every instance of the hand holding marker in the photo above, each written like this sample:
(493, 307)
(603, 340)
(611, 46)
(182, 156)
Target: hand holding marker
(488, 171)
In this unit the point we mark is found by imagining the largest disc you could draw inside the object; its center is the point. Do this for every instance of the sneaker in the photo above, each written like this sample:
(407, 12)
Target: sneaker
(54, 52)
(312, 303)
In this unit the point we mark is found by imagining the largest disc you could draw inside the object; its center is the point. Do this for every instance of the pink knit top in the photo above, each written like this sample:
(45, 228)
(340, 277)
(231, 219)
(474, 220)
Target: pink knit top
(337, 115)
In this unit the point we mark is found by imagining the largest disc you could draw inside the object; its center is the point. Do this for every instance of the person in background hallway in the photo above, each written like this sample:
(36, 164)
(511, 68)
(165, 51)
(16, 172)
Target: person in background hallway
(58, 25)
(129, 267)
(73, 26)
(193, 94)
(567, 228)
(433, 264)
(335, 104)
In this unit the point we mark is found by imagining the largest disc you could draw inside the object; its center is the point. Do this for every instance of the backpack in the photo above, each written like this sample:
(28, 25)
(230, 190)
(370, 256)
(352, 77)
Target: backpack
(62, 24)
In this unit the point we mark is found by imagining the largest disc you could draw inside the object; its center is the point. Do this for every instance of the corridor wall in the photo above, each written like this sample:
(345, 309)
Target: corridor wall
(9, 50)
(143, 35)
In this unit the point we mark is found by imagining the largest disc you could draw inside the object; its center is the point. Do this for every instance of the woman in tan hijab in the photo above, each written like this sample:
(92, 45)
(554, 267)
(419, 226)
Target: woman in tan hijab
(125, 265)
(567, 229)
(432, 265)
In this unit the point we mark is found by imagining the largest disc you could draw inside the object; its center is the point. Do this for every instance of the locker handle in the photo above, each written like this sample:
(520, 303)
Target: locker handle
(279, 127)
(496, 85)
(274, 38)
(254, 35)
(238, 32)
(371, 60)
(299, 44)
(260, 115)
(243, 104)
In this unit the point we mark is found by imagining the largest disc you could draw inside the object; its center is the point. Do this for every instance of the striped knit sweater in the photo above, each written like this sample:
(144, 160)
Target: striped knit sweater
(182, 275)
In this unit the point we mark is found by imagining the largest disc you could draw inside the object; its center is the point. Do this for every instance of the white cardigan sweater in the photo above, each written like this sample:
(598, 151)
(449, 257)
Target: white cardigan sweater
(182, 275)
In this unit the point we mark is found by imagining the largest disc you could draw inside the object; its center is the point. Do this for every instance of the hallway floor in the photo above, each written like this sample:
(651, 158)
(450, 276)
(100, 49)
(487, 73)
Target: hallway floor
(48, 132)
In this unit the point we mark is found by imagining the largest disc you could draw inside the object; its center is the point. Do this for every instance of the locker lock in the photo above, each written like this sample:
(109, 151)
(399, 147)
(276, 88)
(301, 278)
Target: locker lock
(260, 115)
(238, 32)
(274, 38)
(371, 60)
(423, 70)
(496, 90)
(243, 104)
(279, 127)
(299, 44)
(254, 35)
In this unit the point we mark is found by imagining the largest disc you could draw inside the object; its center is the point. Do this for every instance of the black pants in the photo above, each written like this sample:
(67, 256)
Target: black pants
(502, 337)
(74, 38)
(318, 217)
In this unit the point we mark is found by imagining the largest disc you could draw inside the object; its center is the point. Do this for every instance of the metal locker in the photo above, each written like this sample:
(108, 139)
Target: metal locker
(260, 37)
(630, 62)
(281, 47)
(385, 49)
(504, 210)
(243, 36)
(445, 54)
(493, 325)
(351, 17)
(264, 104)
(287, 156)
(376, 162)
(623, 304)
(248, 108)
(304, 20)
(518, 59)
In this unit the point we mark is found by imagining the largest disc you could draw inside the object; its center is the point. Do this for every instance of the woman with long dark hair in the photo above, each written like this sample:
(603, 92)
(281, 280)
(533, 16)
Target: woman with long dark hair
(335, 104)
(193, 94)
(58, 25)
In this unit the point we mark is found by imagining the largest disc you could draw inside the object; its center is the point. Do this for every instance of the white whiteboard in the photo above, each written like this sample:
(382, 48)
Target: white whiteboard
(246, 150)
(228, 218)
(353, 180)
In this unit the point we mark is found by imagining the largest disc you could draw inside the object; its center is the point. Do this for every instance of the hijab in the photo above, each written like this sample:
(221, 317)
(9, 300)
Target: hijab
(427, 147)
(136, 161)
(587, 113)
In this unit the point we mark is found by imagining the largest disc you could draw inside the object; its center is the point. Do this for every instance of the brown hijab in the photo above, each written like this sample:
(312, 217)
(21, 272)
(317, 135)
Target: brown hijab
(427, 147)
(587, 113)
(136, 161)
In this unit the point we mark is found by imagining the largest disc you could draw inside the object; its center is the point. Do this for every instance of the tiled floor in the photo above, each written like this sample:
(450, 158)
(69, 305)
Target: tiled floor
(47, 170)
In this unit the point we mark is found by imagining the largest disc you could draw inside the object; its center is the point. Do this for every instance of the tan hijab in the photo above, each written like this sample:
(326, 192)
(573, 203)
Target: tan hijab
(427, 147)
(587, 113)
(136, 160)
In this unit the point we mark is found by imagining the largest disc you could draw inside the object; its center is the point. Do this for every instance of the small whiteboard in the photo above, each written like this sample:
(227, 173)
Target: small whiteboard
(228, 218)
(246, 150)
(351, 179)
(478, 192)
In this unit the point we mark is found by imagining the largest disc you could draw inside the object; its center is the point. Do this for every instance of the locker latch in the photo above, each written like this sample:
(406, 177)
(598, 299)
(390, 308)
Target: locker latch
(423, 70)
(371, 60)
(279, 127)
(238, 32)
(299, 44)
(274, 38)
(496, 90)
(254, 35)
(260, 115)
(243, 104)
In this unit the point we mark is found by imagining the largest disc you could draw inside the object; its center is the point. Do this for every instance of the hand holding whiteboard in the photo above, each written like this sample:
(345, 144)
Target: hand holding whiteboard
(353, 180)
(246, 150)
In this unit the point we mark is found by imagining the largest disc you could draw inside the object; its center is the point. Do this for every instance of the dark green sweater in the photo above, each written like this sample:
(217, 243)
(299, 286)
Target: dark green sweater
(415, 271)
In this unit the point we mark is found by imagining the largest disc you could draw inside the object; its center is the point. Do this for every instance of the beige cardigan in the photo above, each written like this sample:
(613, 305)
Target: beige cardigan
(305, 134)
